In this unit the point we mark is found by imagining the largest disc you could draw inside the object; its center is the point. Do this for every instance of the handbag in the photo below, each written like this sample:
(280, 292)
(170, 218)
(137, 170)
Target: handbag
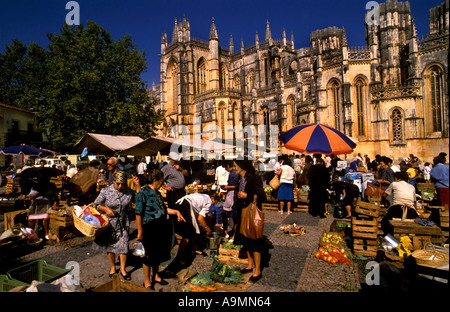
(252, 222)
(275, 182)
(373, 191)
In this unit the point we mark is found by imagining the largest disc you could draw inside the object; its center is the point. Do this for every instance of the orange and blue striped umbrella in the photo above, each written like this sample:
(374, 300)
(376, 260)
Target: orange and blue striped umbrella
(317, 139)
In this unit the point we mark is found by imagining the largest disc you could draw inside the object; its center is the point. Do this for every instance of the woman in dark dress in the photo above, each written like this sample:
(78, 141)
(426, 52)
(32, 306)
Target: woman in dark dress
(154, 228)
(319, 179)
(250, 185)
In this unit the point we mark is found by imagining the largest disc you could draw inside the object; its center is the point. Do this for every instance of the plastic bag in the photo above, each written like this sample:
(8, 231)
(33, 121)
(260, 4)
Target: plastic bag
(252, 222)
(139, 250)
(92, 220)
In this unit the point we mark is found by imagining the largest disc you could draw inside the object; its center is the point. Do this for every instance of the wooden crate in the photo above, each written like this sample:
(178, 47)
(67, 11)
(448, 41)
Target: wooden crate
(13, 186)
(404, 228)
(301, 196)
(365, 235)
(116, 285)
(58, 181)
(60, 233)
(443, 218)
(367, 209)
(364, 228)
(63, 221)
(10, 217)
(365, 246)
(231, 255)
(301, 208)
(270, 206)
(425, 187)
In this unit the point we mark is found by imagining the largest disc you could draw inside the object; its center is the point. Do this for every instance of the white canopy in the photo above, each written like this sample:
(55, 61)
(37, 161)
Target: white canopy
(155, 144)
(105, 143)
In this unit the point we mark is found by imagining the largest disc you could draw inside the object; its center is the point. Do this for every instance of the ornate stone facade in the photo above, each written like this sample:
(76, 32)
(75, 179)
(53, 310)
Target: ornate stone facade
(391, 95)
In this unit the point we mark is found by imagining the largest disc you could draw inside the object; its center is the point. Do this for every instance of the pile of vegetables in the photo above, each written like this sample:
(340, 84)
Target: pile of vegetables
(428, 195)
(333, 255)
(220, 272)
(232, 246)
(332, 238)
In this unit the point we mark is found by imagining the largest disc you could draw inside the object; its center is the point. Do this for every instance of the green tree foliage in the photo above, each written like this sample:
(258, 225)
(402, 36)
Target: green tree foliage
(22, 74)
(85, 82)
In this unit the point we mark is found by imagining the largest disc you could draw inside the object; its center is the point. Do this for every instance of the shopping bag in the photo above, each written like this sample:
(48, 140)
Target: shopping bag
(252, 222)
(275, 182)
(373, 191)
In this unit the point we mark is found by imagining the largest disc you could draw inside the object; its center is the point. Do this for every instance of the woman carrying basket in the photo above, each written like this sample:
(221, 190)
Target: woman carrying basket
(115, 201)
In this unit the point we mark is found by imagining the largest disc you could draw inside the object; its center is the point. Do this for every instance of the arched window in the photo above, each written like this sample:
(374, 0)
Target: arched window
(237, 82)
(290, 114)
(235, 119)
(334, 100)
(251, 80)
(434, 98)
(360, 88)
(223, 78)
(265, 69)
(221, 118)
(201, 76)
(396, 126)
(172, 86)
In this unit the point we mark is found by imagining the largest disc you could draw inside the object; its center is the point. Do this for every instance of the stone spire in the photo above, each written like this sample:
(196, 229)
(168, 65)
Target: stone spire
(242, 46)
(175, 32)
(231, 45)
(257, 40)
(213, 31)
(163, 42)
(268, 34)
(284, 37)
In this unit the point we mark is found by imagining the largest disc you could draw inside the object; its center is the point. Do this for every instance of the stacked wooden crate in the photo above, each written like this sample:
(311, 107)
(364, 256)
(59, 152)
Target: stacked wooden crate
(365, 229)
(301, 199)
(12, 186)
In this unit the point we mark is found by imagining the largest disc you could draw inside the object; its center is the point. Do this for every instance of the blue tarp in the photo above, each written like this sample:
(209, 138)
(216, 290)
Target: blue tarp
(24, 149)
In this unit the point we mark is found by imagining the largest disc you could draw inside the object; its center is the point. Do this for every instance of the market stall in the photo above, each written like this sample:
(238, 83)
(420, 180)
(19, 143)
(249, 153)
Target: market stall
(105, 144)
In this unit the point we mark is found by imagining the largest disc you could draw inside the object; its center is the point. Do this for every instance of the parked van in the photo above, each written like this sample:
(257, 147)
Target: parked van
(58, 163)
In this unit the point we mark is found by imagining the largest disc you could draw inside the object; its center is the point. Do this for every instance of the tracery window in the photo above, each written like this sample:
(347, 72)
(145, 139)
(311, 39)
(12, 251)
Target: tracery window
(223, 78)
(397, 126)
(201, 71)
(360, 88)
(435, 79)
(251, 80)
(237, 82)
(334, 100)
(290, 112)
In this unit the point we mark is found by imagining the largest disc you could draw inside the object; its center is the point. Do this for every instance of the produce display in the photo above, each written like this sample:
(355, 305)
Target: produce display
(334, 239)
(429, 196)
(220, 272)
(333, 255)
(232, 246)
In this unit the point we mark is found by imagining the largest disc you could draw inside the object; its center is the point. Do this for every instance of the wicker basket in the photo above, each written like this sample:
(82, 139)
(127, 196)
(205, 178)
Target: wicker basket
(430, 258)
(86, 228)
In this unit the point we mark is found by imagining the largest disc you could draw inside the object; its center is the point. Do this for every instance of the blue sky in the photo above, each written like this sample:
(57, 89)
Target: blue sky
(146, 20)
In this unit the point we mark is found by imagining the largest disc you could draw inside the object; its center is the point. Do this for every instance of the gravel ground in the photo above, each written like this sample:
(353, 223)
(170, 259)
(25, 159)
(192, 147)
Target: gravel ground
(291, 264)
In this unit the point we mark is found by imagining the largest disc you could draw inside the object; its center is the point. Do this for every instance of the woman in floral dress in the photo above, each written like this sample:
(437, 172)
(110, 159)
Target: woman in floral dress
(115, 201)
